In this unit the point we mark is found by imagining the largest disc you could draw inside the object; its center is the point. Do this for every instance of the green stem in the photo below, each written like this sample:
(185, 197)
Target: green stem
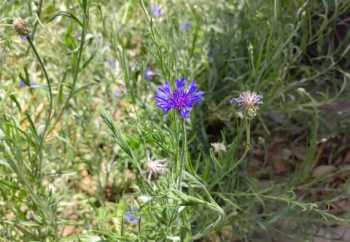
(183, 154)
(50, 214)
(247, 132)
(177, 138)
(49, 113)
(41, 63)
(76, 70)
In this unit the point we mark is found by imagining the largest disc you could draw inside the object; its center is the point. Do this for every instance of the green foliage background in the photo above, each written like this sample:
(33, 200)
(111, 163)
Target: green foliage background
(73, 146)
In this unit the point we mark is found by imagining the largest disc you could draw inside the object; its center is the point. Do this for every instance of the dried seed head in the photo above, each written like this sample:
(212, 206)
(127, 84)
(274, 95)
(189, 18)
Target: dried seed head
(21, 27)
(155, 168)
(219, 147)
(248, 101)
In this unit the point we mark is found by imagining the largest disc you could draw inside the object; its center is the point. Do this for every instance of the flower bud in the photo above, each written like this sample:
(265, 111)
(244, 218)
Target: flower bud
(21, 27)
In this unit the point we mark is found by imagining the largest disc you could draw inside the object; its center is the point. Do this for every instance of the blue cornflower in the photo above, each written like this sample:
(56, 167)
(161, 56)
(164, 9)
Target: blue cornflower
(22, 84)
(157, 11)
(31, 84)
(185, 26)
(181, 99)
(131, 218)
(117, 93)
(112, 63)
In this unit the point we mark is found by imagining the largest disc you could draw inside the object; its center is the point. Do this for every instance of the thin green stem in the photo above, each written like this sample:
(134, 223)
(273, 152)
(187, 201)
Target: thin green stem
(38, 13)
(41, 63)
(183, 157)
(247, 130)
(177, 139)
(76, 70)
(49, 113)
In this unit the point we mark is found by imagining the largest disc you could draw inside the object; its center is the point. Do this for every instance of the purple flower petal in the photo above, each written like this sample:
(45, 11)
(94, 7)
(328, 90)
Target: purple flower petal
(22, 84)
(157, 11)
(195, 96)
(131, 218)
(181, 99)
(185, 112)
(185, 26)
(163, 97)
(112, 64)
(180, 83)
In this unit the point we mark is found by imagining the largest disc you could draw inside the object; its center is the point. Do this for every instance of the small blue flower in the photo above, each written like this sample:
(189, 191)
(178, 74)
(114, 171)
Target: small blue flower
(117, 93)
(131, 218)
(149, 74)
(181, 99)
(185, 26)
(112, 63)
(24, 37)
(23, 84)
(157, 11)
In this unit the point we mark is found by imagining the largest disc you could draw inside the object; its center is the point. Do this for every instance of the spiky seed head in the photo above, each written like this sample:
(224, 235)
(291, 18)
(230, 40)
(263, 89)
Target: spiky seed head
(156, 168)
(249, 102)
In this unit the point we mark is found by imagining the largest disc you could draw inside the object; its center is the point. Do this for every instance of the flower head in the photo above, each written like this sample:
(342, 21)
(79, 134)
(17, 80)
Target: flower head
(117, 93)
(248, 101)
(185, 26)
(30, 84)
(21, 28)
(112, 63)
(181, 99)
(155, 168)
(131, 218)
(149, 74)
(157, 10)
(22, 84)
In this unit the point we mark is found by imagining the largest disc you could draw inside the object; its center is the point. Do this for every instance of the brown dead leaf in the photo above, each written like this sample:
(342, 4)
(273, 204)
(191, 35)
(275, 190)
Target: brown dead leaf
(338, 161)
(254, 166)
(227, 234)
(299, 152)
(69, 230)
(279, 156)
(279, 167)
(323, 170)
(87, 183)
(347, 157)
(111, 193)
(333, 234)
(340, 207)
(70, 213)
(10, 215)
(212, 237)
